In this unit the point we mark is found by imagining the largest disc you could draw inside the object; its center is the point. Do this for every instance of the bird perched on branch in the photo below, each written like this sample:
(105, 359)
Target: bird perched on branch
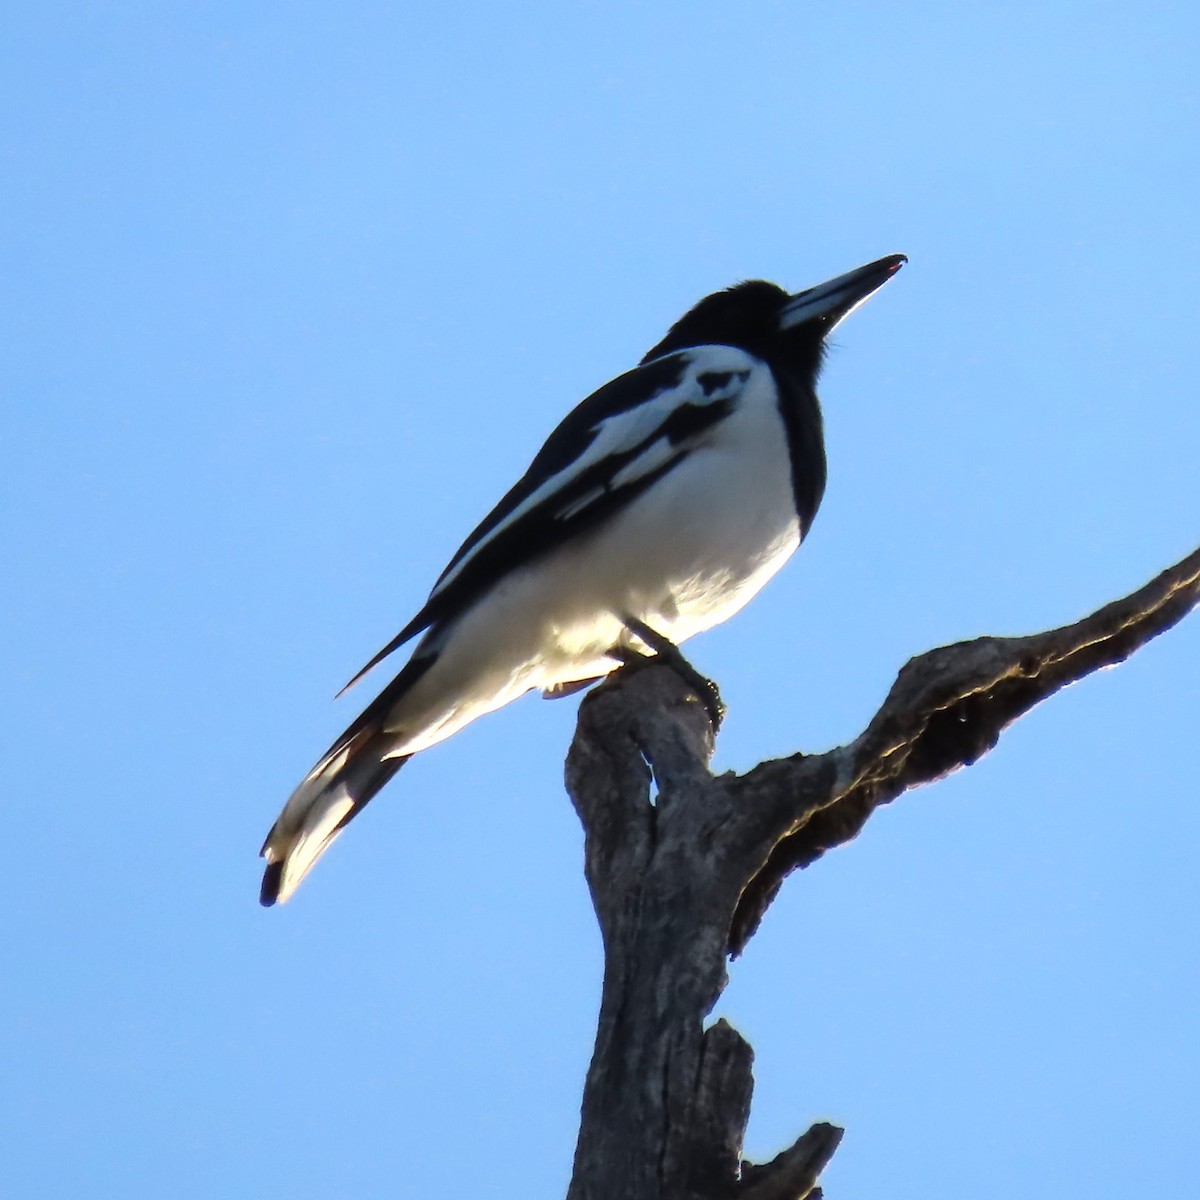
(656, 510)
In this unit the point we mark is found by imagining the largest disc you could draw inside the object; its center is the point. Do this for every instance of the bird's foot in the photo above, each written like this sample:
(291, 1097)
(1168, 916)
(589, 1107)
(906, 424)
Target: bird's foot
(665, 651)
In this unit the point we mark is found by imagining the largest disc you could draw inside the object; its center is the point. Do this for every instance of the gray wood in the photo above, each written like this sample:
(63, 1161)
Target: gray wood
(680, 879)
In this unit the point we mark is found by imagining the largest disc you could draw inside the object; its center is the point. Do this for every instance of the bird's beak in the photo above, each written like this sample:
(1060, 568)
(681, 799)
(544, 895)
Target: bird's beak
(831, 302)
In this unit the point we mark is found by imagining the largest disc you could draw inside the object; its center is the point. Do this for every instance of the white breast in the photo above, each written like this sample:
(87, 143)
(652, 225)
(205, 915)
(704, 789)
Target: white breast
(698, 545)
(683, 557)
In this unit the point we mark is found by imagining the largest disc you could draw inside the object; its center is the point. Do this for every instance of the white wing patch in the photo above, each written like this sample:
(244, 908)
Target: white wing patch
(621, 433)
(657, 454)
(578, 505)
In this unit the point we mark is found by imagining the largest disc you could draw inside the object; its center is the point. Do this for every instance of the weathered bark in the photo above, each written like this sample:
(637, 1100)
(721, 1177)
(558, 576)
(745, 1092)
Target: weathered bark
(681, 880)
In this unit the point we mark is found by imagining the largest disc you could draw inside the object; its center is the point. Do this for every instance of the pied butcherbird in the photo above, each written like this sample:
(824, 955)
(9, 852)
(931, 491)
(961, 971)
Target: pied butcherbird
(663, 502)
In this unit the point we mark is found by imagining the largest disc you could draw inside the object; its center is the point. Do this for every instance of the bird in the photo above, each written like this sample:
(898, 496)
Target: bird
(657, 508)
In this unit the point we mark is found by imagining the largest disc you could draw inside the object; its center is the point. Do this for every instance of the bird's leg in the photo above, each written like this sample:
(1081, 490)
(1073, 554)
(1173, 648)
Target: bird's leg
(666, 652)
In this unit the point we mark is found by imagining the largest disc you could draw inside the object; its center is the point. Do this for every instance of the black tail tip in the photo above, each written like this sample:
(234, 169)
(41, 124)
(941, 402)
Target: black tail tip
(272, 879)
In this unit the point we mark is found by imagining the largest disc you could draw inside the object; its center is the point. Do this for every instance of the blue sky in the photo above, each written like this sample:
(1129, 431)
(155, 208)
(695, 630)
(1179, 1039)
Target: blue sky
(293, 292)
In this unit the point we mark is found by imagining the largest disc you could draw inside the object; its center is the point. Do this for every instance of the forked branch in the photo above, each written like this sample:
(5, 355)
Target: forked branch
(680, 882)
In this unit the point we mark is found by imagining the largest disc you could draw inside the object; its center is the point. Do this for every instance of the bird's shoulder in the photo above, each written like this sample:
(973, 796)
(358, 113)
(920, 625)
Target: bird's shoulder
(634, 401)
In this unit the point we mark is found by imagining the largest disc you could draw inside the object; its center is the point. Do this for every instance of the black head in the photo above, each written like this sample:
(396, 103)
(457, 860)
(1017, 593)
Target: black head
(788, 333)
(772, 324)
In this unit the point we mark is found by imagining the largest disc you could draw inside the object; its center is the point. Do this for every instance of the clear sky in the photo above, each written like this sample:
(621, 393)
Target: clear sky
(292, 292)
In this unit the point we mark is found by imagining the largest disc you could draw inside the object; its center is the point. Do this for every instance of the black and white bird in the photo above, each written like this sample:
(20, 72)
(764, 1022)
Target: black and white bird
(666, 500)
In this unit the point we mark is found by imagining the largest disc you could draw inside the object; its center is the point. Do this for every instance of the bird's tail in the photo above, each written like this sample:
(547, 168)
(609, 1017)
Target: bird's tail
(332, 794)
(336, 790)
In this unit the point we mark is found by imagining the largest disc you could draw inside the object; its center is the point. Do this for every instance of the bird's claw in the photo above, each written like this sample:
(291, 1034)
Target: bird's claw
(666, 652)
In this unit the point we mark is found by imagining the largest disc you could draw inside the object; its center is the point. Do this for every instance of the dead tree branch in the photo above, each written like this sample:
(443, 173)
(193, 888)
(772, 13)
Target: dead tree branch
(680, 882)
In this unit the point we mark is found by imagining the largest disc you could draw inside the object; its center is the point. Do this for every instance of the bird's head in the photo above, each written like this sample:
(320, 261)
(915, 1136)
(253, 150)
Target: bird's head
(771, 323)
